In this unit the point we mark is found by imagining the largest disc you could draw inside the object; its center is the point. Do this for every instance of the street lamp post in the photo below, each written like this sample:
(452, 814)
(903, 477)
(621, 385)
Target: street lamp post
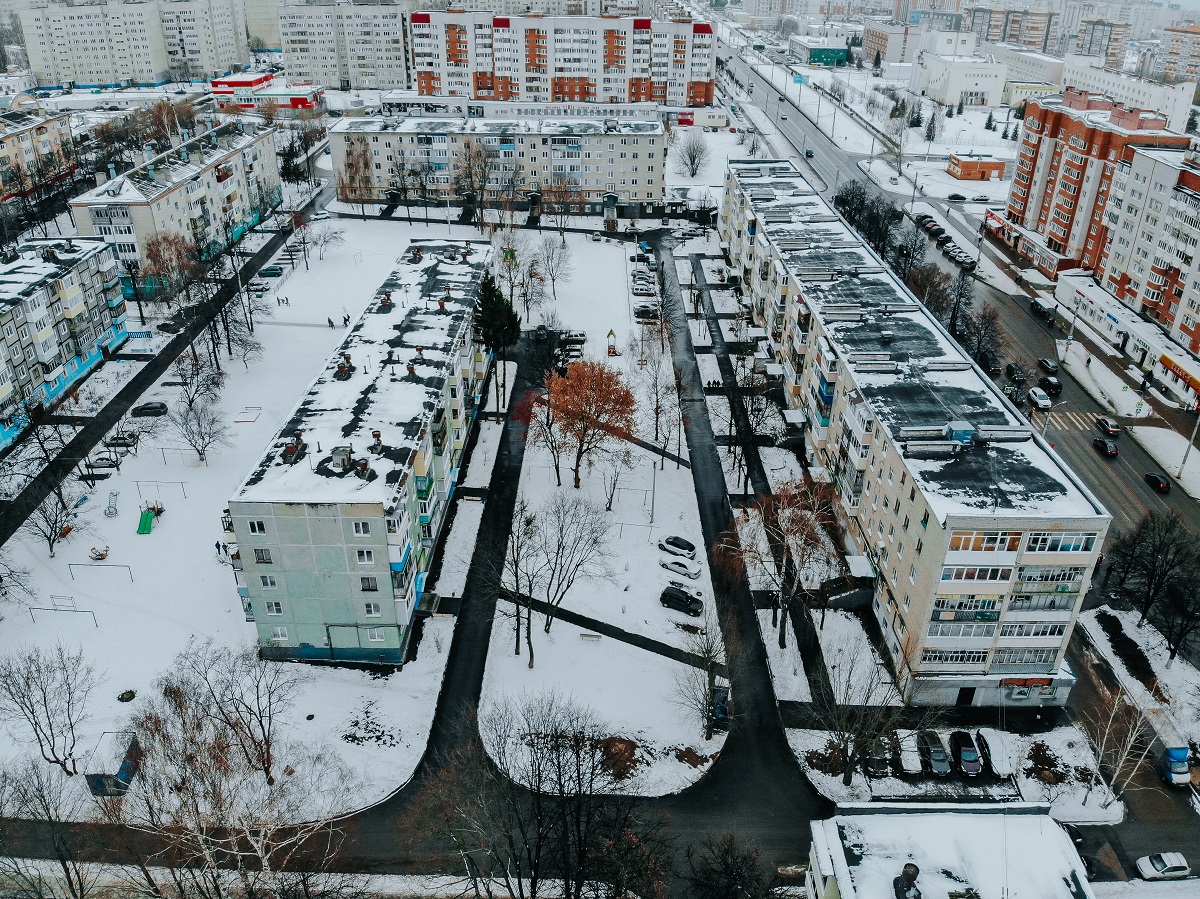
(1050, 411)
(1191, 440)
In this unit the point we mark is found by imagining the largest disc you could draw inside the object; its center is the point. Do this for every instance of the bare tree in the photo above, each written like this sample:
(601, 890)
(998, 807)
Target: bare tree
(692, 154)
(355, 182)
(16, 581)
(910, 251)
(48, 691)
(694, 683)
(55, 519)
(201, 426)
(983, 334)
(269, 111)
(199, 381)
(327, 237)
(544, 430)
(1177, 616)
(724, 867)
(554, 260)
(1121, 738)
(474, 171)
(522, 572)
(1150, 558)
(897, 131)
(562, 199)
(573, 544)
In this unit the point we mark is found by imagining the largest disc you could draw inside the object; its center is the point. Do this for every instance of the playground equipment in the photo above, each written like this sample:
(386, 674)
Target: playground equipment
(99, 555)
(110, 511)
(150, 513)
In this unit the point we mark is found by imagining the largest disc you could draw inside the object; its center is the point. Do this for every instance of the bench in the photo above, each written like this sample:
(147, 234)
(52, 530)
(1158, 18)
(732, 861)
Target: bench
(592, 637)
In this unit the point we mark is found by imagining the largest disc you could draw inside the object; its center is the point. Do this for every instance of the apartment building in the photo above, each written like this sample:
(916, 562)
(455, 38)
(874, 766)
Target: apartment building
(61, 312)
(348, 46)
(1150, 262)
(982, 541)
(337, 523)
(1171, 100)
(210, 189)
(1071, 147)
(1179, 57)
(1143, 17)
(621, 157)
(1104, 39)
(1025, 65)
(262, 24)
(895, 42)
(145, 42)
(1035, 28)
(907, 10)
(34, 151)
(562, 58)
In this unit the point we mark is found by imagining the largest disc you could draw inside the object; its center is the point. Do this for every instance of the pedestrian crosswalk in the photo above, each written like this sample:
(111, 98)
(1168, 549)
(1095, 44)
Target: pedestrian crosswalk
(1062, 420)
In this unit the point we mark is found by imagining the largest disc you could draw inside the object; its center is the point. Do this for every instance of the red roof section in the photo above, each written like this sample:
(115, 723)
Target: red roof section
(702, 28)
(498, 22)
(420, 18)
(641, 24)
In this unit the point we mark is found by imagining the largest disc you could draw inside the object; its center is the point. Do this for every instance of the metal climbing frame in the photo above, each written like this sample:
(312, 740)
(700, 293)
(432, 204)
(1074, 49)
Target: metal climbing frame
(110, 511)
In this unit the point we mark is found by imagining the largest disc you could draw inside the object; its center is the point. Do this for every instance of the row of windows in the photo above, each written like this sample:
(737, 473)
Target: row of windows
(973, 573)
(1027, 656)
(370, 609)
(985, 541)
(960, 629)
(1034, 629)
(258, 526)
(366, 583)
(279, 634)
(1061, 543)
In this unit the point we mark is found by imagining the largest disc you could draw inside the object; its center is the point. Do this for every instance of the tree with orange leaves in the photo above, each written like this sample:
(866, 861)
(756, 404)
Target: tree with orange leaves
(593, 407)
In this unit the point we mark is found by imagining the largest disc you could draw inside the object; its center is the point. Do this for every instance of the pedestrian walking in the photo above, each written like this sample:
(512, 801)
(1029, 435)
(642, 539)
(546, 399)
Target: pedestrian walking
(345, 321)
(330, 320)
(225, 548)
(218, 547)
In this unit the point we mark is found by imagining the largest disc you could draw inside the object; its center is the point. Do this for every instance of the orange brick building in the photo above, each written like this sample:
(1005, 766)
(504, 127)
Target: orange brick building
(968, 169)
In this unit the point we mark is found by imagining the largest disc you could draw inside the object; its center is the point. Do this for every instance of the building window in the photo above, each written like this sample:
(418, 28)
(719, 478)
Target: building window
(362, 529)
(375, 634)
(972, 573)
(954, 656)
(1034, 629)
(274, 608)
(369, 584)
(985, 541)
(366, 557)
(957, 629)
(1031, 656)
(267, 581)
(262, 556)
(1061, 543)
(371, 609)
(258, 527)
(279, 634)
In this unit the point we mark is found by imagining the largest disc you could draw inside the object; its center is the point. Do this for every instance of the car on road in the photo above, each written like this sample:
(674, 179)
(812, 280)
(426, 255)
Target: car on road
(1049, 366)
(878, 762)
(1106, 447)
(1039, 399)
(964, 753)
(149, 410)
(1015, 373)
(679, 565)
(893, 180)
(680, 601)
(692, 232)
(956, 198)
(981, 198)
(1051, 385)
(720, 707)
(677, 546)
(645, 247)
(320, 216)
(1109, 427)
(990, 363)
(783, 118)
(1158, 482)
(933, 753)
(808, 154)
(1163, 866)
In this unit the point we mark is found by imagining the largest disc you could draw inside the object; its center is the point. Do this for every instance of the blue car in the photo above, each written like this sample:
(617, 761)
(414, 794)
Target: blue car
(644, 247)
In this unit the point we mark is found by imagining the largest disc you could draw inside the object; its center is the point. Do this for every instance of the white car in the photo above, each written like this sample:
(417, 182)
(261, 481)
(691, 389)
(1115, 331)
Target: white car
(320, 216)
(1163, 866)
(680, 565)
(643, 290)
(677, 546)
(1039, 399)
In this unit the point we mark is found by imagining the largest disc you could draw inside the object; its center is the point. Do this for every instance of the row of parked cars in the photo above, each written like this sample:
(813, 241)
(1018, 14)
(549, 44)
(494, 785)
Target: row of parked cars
(952, 250)
(924, 752)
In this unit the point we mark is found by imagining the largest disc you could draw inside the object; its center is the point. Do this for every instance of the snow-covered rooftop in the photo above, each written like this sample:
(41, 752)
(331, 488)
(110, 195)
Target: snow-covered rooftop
(366, 385)
(917, 381)
(40, 261)
(431, 125)
(1014, 851)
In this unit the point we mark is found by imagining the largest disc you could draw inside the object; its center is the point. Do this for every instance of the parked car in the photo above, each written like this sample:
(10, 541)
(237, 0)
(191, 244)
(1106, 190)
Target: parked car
(933, 753)
(1173, 766)
(679, 565)
(1109, 427)
(674, 598)
(964, 753)
(970, 265)
(990, 363)
(645, 247)
(1158, 481)
(677, 546)
(937, 230)
(1163, 866)
(121, 441)
(567, 337)
(943, 240)
(1049, 366)
(645, 311)
(981, 198)
(994, 751)
(1051, 385)
(1105, 447)
(149, 410)
(1072, 832)
(720, 707)
(103, 462)
(1040, 400)
(1015, 373)
(910, 755)
(922, 218)
(956, 198)
(878, 761)
(271, 271)
(643, 290)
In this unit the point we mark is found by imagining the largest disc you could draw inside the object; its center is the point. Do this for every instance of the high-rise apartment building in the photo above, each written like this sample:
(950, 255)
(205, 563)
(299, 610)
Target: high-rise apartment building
(1070, 150)
(1179, 57)
(1174, 101)
(1033, 27)
(562, 58)
(345, 45)
(1104, 39)
(907, 10)
(982, 541)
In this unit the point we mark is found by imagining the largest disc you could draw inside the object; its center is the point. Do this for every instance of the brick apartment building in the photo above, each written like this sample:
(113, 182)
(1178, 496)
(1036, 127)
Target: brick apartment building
(547, 59)
(1072, 146)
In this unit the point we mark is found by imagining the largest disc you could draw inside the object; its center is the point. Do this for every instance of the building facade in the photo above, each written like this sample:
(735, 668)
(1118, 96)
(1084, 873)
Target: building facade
(1026, 65)
(35, 152)
(420, 155)
(1032, 27)
(336, 526)
(1180, 55)
(950, 80)
(1103, 39)
(61, 313)
(348, 46)
(203, 37)
(210, 189)
(562, 58)
(250, 91)
(890, 42)
(1070, 149)
(818, 51)
(982, 541)
(1171, 100)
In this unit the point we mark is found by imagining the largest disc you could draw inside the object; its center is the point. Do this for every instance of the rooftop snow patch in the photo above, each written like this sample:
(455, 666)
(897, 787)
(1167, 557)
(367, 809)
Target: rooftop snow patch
(39, 261)
(386, 376)
(1014, 851)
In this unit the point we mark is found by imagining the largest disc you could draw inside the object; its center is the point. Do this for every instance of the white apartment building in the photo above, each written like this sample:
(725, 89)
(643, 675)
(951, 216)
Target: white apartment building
(982, 541)
(262, 23)
(347, 46)
(949, 80)
(61, 311)
(34, 146)
(611, 156)
(1027, 66)
(562, 58)
(210, 189)
(1172, 100)
(146, 42)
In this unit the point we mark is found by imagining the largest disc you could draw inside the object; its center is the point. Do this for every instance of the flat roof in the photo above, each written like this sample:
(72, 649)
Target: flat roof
(459, 125)
(1014, 851)
(379, 394)
(917, 381)
(39, 261)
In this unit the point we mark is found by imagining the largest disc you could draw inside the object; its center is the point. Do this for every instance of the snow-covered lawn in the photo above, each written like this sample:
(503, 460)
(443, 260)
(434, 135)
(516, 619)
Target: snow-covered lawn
(710, 370)
(101, 386)
(460, 545)
(1175, 711)
(722, 146)
(781, 465)
(854, 666)
(787, 668)
(483, 457)
(1102, 383)
(715, 272)
(145, 614)
(725, 301)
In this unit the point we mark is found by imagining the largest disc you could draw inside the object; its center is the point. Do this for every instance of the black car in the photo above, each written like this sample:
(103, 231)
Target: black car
(990, 363)
(1158, 481)
(944, 239)
(1050, 384)
(1015, 373)
(966, 756)
(719, 707)
(1073, 832)
(808, 154)
(937, 230)
(149, 410)
(878, 762)
(674, 598)
(933, 753)
(1049, 366)
(271, 271)
(956, 198)
(1105, 447)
